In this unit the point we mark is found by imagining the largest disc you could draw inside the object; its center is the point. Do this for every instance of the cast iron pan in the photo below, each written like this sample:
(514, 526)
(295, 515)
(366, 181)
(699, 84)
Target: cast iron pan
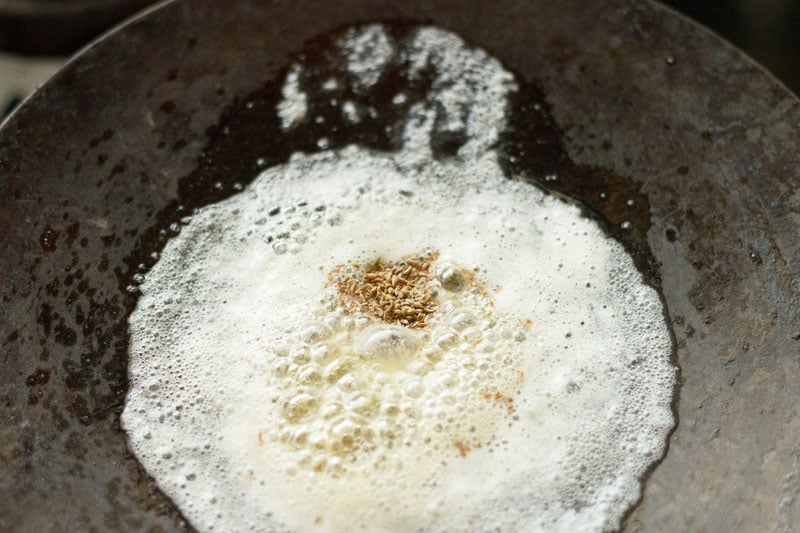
(172, 110)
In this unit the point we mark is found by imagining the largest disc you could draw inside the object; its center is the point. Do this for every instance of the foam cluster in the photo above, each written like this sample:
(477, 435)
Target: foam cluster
(529, 387)
(351, 387)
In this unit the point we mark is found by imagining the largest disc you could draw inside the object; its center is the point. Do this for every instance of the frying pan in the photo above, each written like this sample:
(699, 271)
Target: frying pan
(98, 167)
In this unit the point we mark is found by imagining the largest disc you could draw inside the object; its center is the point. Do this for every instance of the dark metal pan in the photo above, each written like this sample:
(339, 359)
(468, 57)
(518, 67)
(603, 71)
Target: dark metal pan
(150, 122)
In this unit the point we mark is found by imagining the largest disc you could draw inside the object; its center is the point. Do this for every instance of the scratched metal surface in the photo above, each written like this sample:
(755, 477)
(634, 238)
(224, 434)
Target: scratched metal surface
(124, 140)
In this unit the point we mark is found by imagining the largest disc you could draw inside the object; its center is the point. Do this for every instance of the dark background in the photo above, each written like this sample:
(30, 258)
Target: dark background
(767, 30)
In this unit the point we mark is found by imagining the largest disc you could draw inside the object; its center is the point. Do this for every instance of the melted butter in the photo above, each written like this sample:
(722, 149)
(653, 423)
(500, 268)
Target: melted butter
(532, 394)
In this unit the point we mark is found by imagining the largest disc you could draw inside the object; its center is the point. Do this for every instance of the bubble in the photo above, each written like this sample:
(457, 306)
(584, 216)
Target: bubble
(460, 319)
(309, 375)
(414, 389)
(299, 406)
(452, 279)
(392, 345)
(316, 332)
(471, 333)
(331, 410)
(446, 337)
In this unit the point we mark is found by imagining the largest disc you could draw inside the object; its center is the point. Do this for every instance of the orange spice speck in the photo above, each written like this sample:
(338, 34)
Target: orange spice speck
(503, 400)
(463, 449)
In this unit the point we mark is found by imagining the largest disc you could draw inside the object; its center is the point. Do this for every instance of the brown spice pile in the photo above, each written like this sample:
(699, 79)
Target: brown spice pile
(393, 292)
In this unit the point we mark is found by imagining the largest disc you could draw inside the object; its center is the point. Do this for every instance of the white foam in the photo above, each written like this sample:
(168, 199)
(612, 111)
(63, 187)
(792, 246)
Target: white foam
(293, 108)
(367, 50)
(258, 403)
